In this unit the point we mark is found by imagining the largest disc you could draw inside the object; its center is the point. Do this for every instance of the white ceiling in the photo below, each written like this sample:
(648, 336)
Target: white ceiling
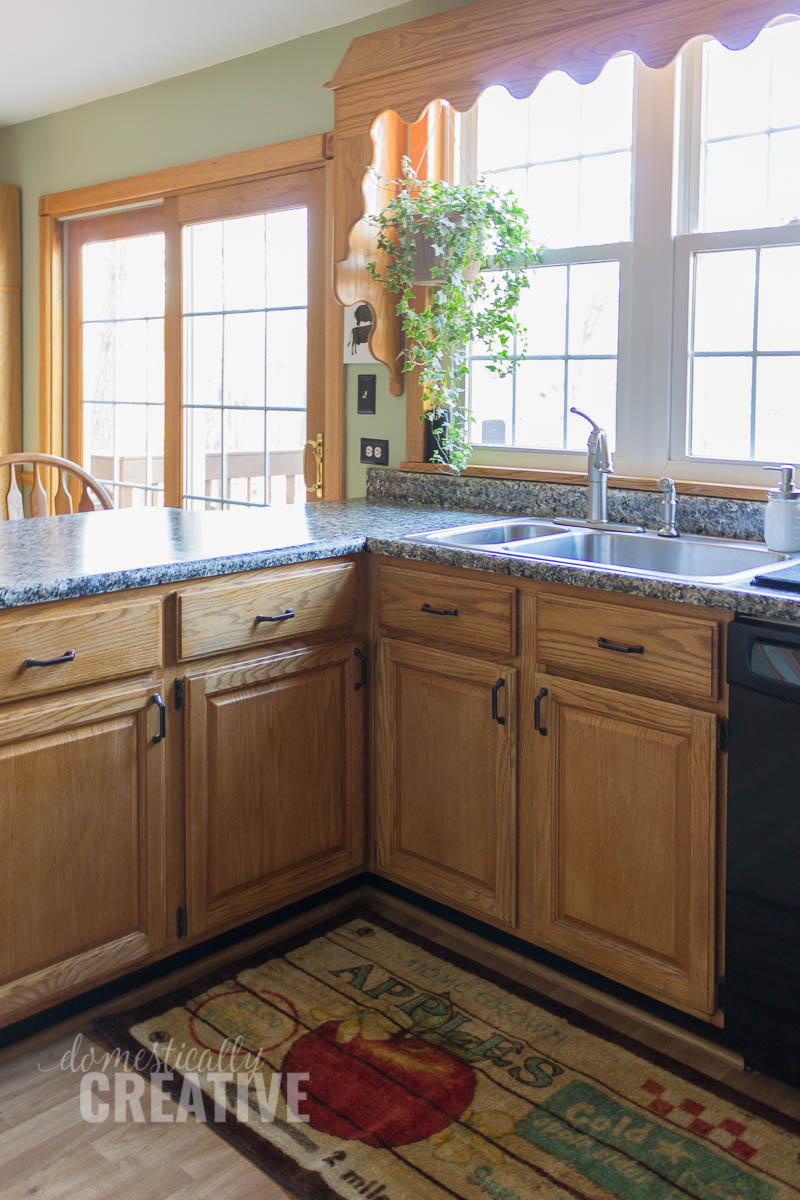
(58, 53)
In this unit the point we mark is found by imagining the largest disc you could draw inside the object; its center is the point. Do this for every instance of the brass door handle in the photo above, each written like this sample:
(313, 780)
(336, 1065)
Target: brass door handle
(316, 447)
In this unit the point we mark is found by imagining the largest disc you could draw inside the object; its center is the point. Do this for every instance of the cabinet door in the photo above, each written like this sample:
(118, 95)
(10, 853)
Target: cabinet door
(617, 839)
(275, 781)
(82, 833)
(446, 782)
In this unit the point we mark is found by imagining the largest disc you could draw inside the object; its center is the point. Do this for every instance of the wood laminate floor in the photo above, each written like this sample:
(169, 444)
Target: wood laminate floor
(48, 1151)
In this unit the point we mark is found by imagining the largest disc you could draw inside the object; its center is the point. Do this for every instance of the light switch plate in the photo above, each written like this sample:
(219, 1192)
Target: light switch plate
(366, 395)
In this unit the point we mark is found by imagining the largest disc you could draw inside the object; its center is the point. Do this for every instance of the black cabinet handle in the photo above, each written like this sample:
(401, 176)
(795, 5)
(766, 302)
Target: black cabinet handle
(284, 616)
(440, 612)
(501, 683)
(363, 661)
(605, 644)
(162, 723)
(537, 713)
(51, 662)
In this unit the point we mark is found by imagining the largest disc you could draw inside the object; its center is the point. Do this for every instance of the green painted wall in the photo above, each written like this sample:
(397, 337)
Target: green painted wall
(270, 96)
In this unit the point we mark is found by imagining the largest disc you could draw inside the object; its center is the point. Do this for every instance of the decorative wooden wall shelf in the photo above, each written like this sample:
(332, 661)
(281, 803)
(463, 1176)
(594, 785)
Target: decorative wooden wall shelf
(10, 320)
(387, 79)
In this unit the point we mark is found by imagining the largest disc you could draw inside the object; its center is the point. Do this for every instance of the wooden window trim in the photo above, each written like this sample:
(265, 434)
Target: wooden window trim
(170, 193)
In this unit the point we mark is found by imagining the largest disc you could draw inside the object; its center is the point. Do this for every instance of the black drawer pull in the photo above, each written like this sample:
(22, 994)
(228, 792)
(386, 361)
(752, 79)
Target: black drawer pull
(605, 644)
(501, 683)
(537, 713)
(162, 719)
(51, 662)
(284, 616)
(359, 654)
(440, 612)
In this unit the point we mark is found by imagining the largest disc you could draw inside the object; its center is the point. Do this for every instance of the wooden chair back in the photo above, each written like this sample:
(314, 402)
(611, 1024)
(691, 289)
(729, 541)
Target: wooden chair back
(91, 497)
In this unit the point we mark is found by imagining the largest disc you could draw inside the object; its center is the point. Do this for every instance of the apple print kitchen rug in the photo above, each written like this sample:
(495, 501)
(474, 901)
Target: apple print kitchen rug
(360, 1061)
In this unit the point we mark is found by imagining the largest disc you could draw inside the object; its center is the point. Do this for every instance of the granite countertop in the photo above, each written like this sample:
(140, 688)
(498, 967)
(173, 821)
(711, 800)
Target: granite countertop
(56, 558)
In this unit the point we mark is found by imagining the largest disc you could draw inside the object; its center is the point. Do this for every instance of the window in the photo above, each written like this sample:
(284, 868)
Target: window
(245, 300)
(196, 347)
(667, 302)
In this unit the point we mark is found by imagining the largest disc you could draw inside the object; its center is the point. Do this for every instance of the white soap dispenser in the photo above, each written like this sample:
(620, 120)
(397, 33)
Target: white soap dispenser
(782, 519)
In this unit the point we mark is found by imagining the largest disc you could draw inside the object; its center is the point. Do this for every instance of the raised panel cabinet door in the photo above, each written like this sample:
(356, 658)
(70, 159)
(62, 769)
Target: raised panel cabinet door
(618, 836)
(446, 780)
(82, 829)
(275, 781)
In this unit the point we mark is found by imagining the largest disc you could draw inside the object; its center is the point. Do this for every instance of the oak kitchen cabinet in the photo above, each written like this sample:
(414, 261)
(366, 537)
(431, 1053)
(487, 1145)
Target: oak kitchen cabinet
(595, 835)
(274, 780)
(82, 801)
(446, 776)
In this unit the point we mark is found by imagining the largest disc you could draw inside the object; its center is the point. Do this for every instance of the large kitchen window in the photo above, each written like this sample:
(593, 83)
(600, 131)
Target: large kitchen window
(196, 344)
(668, 202)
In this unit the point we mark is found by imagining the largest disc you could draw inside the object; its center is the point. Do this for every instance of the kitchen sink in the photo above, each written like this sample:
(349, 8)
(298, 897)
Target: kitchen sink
(699, 559)
(494, 533)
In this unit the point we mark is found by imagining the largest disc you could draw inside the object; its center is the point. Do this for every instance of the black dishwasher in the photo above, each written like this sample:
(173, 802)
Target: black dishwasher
(762, 943)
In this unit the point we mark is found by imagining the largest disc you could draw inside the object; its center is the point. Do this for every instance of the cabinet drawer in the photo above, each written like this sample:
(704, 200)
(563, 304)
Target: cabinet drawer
(277, 604)
(104, 642)
(627, 645)
(480, 616)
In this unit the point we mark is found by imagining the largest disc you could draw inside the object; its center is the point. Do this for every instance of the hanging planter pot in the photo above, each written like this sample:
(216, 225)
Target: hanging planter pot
(426, 227)
(430, 264)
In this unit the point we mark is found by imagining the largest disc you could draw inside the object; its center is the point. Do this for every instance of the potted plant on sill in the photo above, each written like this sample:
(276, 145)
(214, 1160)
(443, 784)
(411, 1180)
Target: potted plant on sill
(470, 245)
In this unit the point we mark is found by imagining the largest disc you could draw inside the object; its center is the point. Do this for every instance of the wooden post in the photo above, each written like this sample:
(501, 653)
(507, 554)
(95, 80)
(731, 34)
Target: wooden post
(10, 320)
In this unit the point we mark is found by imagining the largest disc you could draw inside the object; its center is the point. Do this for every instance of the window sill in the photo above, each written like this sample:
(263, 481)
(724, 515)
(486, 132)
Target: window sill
(722, 491)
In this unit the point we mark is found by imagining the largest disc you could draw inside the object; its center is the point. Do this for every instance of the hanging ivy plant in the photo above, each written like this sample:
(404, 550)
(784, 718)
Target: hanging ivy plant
(479, 252)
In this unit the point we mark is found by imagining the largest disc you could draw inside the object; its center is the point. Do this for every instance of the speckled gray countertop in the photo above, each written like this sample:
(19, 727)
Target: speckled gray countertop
(55, 558)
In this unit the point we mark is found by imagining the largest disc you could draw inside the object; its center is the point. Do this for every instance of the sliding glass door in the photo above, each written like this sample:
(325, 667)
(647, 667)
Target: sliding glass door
(196, 346)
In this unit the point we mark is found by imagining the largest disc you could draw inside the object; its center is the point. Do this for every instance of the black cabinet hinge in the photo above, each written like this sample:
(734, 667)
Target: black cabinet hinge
(179, 690)
(722, 734)
(720, 993)
(180, 922)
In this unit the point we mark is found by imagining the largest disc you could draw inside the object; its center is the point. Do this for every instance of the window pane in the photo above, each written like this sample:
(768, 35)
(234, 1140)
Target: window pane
(566, 152)
(778, 409)
(779, 293)
(249, 360)
(751, 132)
(593, 389)
(540, 404)
(594, 308)
(122, 310)
(492, 402)
(721, 396)
(724, 300)
(543, 311)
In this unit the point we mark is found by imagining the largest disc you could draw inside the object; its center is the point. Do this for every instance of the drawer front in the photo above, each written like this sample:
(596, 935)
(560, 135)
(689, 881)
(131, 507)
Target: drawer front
(631, 646)
(479, 616)
(87, 644)
(278, 604)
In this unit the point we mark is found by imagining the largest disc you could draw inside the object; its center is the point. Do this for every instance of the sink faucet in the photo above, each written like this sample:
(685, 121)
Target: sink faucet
(599, 469)
(668, 526)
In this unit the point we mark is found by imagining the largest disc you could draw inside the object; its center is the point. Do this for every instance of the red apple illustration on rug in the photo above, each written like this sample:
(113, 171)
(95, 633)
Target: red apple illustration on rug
(372, 1081)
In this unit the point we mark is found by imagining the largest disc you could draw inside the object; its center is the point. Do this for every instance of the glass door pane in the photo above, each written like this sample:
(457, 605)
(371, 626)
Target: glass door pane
(245, 347)
(122, 293)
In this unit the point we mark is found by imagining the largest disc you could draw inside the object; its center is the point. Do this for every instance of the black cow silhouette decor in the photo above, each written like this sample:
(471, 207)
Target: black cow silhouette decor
(359, 335)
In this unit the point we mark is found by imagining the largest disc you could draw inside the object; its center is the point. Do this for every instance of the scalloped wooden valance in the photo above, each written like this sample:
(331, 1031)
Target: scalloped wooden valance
(387, 80)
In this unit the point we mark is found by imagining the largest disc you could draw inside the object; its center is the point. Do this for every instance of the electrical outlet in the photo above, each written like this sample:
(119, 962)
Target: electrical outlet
(366, 395)
(375, 452)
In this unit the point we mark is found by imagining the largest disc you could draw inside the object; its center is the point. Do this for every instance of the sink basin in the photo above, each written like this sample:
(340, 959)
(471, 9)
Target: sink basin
(493, 533)
(699, 559)
(646, 553)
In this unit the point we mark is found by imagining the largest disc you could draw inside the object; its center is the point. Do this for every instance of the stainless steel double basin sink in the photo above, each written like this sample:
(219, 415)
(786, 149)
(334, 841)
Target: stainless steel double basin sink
(696, 559)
